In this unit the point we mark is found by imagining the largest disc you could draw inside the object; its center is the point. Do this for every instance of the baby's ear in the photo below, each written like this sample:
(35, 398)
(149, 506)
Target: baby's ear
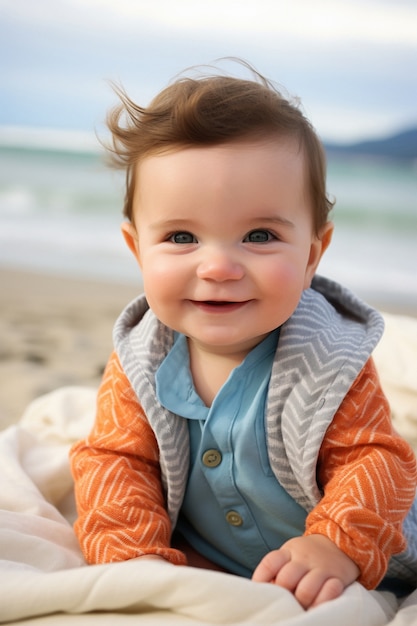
(318, 248)
(326, 236)
(131, 238)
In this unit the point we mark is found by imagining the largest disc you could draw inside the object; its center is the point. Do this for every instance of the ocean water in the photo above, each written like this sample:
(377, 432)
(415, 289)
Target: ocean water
(60, 212)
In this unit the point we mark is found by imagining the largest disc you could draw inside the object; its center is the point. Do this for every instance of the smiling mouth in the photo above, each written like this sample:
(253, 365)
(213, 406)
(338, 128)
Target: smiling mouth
(219, 305)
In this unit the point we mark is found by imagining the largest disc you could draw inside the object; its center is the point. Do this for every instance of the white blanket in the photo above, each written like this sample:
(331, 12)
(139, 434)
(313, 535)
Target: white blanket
(45, 582)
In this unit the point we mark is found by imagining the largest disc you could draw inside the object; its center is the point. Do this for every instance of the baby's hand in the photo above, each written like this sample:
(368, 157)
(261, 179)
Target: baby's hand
(311, 567)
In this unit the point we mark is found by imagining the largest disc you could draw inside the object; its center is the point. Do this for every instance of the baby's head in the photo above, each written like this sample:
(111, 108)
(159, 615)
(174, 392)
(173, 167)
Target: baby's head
(213, 110)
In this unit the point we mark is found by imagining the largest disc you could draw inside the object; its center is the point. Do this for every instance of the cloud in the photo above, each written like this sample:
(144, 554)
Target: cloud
(352, 58)
(323, 21)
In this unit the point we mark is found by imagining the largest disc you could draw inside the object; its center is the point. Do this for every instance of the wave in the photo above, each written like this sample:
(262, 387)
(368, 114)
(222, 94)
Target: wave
(51, 139)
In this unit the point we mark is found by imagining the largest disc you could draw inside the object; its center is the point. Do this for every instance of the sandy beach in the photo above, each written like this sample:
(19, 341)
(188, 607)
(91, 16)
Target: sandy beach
(56, 332)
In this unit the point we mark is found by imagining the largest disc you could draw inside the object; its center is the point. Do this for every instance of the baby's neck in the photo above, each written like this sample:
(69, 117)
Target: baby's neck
(210, 370)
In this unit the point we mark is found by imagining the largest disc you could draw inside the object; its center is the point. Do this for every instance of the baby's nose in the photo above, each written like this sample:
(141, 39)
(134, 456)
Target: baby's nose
(219, 265)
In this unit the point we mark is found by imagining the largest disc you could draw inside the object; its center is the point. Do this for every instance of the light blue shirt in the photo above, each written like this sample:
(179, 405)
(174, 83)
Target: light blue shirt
(234, 510)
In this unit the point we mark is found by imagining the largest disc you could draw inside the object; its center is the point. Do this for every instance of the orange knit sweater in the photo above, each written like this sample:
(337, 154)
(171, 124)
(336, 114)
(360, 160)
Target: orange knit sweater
(366, 471)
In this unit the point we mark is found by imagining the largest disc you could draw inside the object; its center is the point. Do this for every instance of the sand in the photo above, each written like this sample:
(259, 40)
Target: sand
(55, 332)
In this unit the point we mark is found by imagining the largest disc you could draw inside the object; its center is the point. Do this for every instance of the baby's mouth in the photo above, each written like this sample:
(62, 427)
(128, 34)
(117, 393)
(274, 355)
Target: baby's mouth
(224, 306)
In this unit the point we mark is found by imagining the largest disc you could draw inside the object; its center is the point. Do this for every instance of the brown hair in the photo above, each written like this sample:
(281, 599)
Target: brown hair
(211, 110)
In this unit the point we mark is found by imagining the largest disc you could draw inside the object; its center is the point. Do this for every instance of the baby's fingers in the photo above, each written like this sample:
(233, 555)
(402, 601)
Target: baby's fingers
(315, 588)
(270, 565)
(332, 589)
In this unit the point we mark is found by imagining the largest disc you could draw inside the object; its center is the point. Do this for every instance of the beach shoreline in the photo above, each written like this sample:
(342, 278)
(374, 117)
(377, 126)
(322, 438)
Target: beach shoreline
(56, 331)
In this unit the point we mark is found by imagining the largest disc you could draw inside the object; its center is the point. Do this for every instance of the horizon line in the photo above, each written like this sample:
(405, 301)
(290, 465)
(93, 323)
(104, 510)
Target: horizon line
(81, 140)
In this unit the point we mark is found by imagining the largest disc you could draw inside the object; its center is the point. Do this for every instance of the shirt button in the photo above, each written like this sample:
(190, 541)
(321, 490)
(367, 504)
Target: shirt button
(234, 518)
(212, 458)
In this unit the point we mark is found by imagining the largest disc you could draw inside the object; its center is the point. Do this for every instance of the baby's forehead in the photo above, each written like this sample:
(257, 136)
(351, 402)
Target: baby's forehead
(226, 164)
(255, 143)
(249, 174)
(248, 150)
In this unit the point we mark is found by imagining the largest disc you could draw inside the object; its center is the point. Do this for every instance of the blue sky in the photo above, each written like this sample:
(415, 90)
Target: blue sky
(352, 62)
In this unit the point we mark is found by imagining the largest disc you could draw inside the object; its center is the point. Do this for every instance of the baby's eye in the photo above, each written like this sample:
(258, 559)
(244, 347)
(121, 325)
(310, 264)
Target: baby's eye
(259, 236)
(183, 237)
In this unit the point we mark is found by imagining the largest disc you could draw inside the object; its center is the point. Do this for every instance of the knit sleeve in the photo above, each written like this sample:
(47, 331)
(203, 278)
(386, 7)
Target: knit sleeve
(368, 477)
(118, 490)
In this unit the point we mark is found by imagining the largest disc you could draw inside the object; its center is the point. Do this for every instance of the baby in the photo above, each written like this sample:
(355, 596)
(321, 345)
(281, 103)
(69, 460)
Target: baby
(240, 422)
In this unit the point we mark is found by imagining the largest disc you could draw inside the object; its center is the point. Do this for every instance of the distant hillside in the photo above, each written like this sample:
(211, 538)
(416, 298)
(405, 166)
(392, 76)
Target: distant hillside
(400, 146)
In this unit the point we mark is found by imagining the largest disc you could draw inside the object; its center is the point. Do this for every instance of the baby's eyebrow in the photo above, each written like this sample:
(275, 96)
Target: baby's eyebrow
(274, 219)
(171, 223)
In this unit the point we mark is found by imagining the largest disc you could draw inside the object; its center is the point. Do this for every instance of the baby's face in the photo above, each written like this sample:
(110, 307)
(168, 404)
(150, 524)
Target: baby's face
(225, 240)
